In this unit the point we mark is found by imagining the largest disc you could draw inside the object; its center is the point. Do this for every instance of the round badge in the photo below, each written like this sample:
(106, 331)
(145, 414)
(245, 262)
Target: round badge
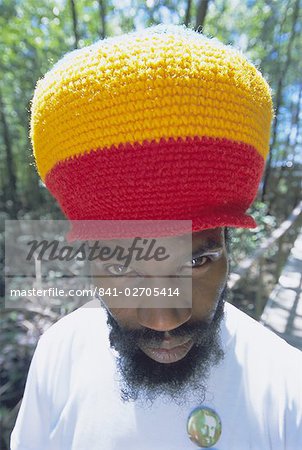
(204, 427)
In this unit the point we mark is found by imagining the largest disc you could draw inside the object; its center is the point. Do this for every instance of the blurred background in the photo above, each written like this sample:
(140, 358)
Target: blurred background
(266, 262)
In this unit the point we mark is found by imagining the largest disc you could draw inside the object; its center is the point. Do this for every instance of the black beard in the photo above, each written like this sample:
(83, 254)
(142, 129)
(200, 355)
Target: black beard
(144, 379)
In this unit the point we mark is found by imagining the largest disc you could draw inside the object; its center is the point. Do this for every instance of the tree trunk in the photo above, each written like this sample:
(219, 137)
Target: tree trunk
(294, 184)
(288, 151)
(102, 9)
(74, 23)
(279, 98)
(202, 9)
(188, 13)
(10, 183)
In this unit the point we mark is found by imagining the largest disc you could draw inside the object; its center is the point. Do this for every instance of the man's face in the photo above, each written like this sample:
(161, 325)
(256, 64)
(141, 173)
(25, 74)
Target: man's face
(208, 429)
(168, 350)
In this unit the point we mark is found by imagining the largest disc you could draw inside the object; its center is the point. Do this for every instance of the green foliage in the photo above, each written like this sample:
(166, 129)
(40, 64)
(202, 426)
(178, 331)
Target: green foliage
(246, 241)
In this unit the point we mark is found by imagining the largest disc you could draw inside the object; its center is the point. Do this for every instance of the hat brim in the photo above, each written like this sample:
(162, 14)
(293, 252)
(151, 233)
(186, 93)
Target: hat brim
(125, 229)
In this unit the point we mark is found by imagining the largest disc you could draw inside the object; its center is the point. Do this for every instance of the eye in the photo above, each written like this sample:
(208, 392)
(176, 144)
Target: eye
(202, 260)
(118, 269)
(198, 262)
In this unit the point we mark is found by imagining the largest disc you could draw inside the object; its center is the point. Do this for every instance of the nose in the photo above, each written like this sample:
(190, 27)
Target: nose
(163, 319)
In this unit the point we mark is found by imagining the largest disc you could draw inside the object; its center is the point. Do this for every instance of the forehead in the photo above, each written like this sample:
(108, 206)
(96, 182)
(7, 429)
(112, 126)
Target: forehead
(206, 239)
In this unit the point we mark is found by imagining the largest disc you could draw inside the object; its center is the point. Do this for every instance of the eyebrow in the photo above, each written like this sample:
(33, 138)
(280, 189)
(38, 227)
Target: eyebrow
(210, 245)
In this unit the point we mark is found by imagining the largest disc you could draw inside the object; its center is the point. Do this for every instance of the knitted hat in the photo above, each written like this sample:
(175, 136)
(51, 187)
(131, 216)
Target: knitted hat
(155, 125)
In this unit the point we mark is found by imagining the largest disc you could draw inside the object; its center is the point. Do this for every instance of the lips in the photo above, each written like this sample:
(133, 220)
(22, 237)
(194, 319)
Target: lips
(169, 351)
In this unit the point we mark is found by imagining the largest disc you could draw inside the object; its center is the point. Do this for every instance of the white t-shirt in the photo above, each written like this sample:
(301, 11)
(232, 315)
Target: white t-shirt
(72, 399)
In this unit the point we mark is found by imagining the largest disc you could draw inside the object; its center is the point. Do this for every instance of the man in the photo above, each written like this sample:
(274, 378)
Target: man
(161, 125)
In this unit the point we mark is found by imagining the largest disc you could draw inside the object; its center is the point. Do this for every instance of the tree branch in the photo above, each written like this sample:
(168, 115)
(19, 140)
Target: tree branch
(102, 10)
(202, 9)
(74, 23)
(188, 13)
